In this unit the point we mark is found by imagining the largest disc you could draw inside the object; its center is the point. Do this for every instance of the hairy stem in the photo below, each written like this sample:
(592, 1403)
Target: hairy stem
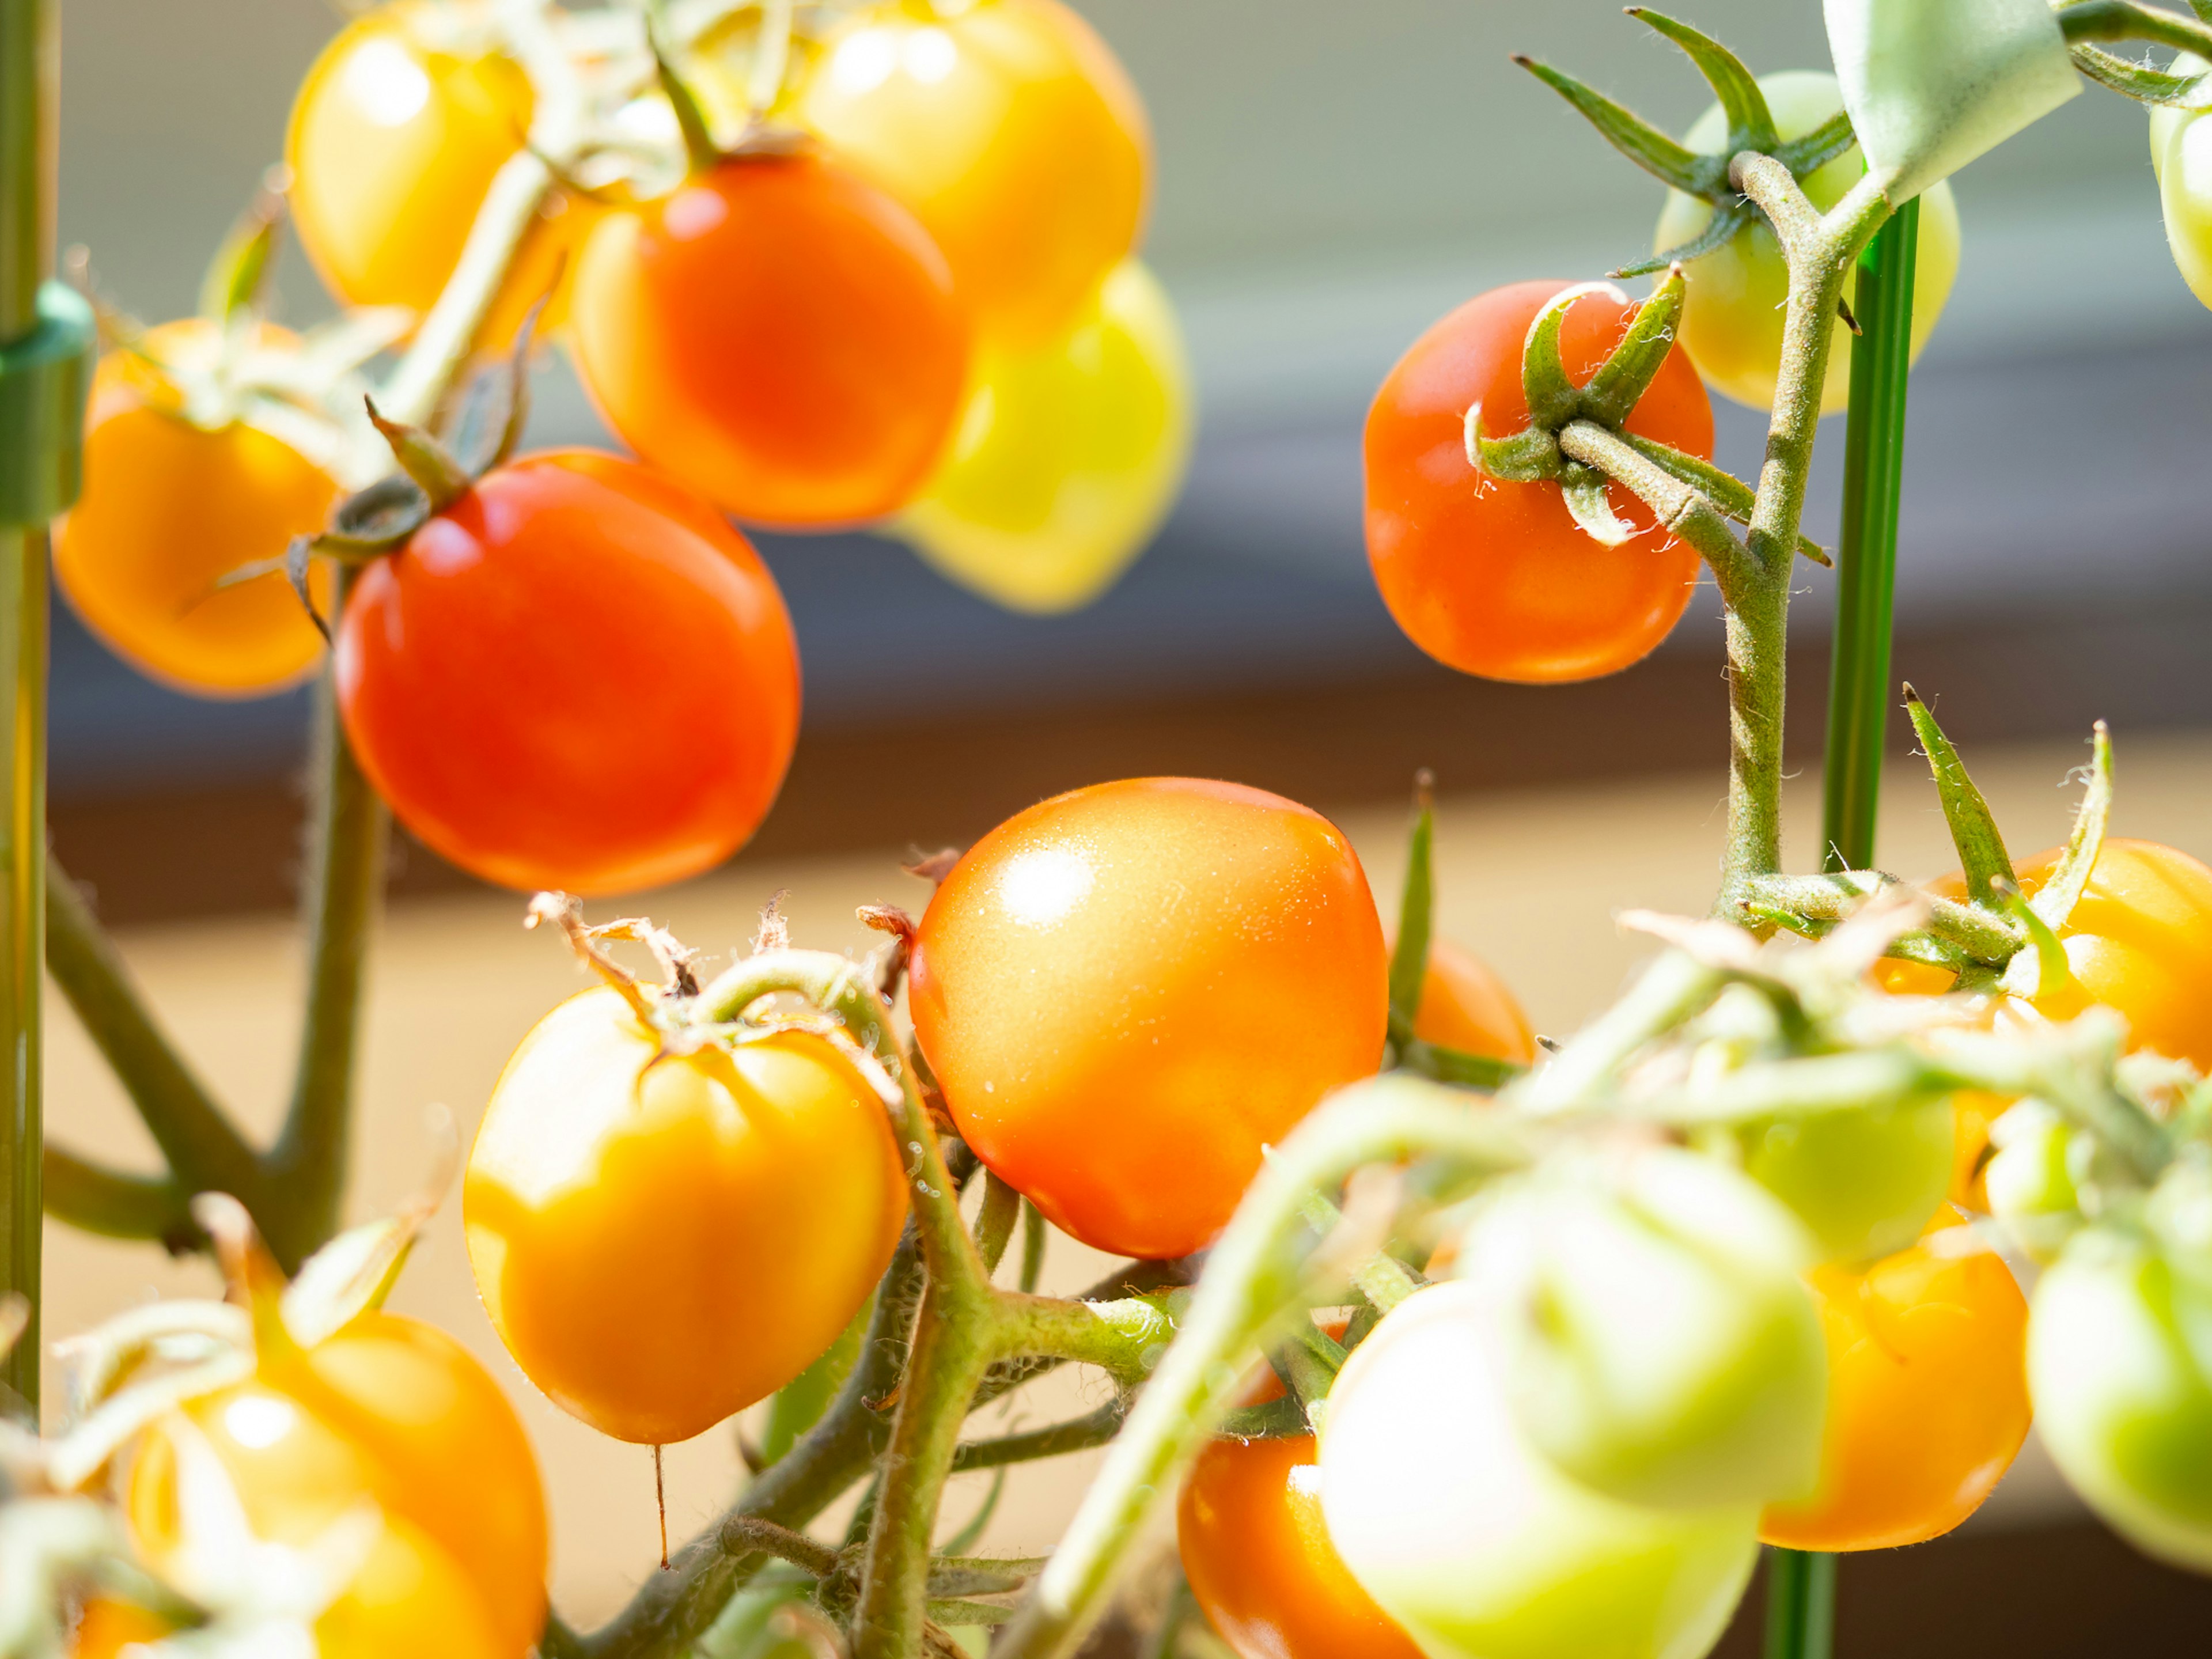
(1077, 1434)
(2122, 19)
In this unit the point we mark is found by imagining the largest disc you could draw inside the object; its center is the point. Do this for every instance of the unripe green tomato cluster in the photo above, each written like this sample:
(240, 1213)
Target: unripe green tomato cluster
(1732, 321)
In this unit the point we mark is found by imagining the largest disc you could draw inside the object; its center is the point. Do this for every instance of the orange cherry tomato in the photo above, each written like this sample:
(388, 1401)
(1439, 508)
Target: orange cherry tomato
(108, 1630)
(1927, 1399)
(779, 334)
(393, 1413)
(1127, 992)
(168, 509)
(1465, 1005)
(1496, 578)
(1011, 129)
(663, 1239)
(396, 135)
(578, 676)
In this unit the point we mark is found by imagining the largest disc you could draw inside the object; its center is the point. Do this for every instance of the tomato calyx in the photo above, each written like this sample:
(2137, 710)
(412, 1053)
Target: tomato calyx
(1751, 127)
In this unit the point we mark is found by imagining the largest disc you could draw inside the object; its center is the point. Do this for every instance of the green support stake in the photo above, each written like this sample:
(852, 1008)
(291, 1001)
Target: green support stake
(1801, 1588)
(46, 347)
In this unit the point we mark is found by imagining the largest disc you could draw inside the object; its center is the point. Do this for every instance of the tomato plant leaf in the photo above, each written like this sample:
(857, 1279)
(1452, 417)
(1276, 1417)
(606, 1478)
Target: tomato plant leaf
(1668, 161)
(1622, 378)
(1409, 960)
(1751, 124)
(1973, 828)
(2062, 890)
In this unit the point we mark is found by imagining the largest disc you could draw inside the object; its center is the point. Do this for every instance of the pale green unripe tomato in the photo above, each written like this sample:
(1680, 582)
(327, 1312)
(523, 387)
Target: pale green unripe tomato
(1732, 313)
(1661, 1345)
(1475, 1542)
(2181, 155)
(2119, 1365)
(2034, 1181)
(1865, 1182)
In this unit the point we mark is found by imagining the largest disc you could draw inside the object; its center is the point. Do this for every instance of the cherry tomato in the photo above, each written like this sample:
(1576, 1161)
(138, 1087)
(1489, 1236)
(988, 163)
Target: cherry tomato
(1732, 322)
(2118, 1362)
(780, 335)
(388, 1412)
(1465, 1005)
(1067, 456)
(1660, 1346)
(1865, 1183)
(2181, 155)
(1473, 1540)
(1129, 991)
(578, 676)
(1496, 579)
(2034, 1178)
(110, 1630)
(662, 1240)
(394, 139)
(1011, 129)
(168, 509)
(1927, 1399)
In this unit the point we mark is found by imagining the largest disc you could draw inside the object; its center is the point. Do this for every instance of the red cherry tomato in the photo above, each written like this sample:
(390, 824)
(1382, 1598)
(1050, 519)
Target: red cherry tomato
(578, 676)
(780, 335)
(1496, 578)
(1127, 992)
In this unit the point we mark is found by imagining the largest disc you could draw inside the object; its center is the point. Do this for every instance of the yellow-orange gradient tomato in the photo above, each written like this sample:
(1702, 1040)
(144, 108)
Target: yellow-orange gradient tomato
(168, 509)
(1465, 1005)
(392, 1413)
(1926, 1398)
(1011, 129)
(662, 1241)
(1128, 991)
(396, 135)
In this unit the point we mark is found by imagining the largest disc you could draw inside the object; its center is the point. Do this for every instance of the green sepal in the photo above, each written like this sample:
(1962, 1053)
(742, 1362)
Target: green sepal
(1751, 124)
(1589, 499)
(1622, 378)
(1527, 457)
(1668, 161)
(2047, 956)
(1735, 498)
(1973, 827)
(2055, 900)
(1720, 230)
(432, 467)
(1279, 1418)
(2138, 81)
(1809, 152)
(1553, 398)
(1431, 1060)
(372, 522)
(1307, 1362)
(699, 146)
(957, 1614)
(251, 1275)
(238, 276)
(955, 1576)
(2203, 8)
(1409, 960)
(496, 408)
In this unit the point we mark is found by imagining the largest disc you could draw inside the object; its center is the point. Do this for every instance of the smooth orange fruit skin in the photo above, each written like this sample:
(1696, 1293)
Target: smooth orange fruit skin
(660, 1245)
(1012, 132)
(779, 334)
(392, 144)
(1496, 578)
(578, 676)
(396, 1413)
(169, 508)
(1465, 1005)
(1927, 1399)
(1127, 992)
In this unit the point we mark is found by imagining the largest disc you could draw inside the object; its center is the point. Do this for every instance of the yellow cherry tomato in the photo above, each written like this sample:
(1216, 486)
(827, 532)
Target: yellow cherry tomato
(1731, 317)
(1926, 1398)
(661, 1241)
(1066, 457)
(395, 137)
(1012, 132)
(111, 1630)
(392, 1415)
(169, 508)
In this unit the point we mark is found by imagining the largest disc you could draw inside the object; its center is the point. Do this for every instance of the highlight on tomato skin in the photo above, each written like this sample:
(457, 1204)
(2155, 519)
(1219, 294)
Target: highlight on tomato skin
(578, 676)
(1494, 578)
(777, 334)
(1127, 992)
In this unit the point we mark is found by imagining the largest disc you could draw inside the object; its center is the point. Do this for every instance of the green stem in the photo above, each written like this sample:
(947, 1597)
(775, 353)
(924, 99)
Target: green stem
(1859, 690)
(1077, 1434)
(2122, 20)
(149, 1209)
(1801, 1605)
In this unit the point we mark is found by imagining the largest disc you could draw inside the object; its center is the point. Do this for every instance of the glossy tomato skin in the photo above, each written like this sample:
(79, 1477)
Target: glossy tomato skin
(662, 1243)
(1012, 132)
(1732, 315)
(1496, 578)
(1066, 457)
(576, 676)
(1465, 1006)
(1927, 1399)
(396, 1413)
(779, 334)
(169, 508)
(1127, 992)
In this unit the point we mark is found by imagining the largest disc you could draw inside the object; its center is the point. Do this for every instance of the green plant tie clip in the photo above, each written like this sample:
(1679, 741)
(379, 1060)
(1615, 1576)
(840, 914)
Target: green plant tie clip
(44, 379)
